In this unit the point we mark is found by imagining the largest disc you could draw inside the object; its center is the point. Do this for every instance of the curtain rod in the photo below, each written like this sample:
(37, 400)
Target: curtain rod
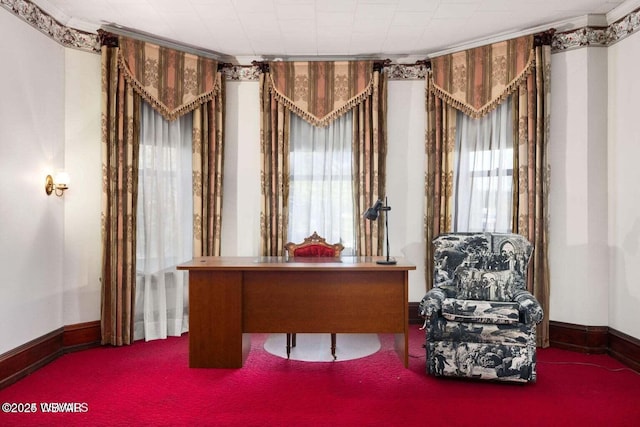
(544, 38)
(539, 39)
(111, 40)
(106, 37)
(125, 32)
(378, 64)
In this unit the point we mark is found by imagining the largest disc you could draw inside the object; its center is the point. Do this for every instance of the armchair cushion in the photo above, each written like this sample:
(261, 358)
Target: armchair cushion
(445, 330)
(481, 311)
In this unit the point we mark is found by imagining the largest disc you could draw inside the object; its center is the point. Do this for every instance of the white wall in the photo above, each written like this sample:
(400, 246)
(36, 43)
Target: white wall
(624, 185)
(405, 177)
(594, 203)
(241, 184)
(31, 143)
(578, 253)
(82, 236)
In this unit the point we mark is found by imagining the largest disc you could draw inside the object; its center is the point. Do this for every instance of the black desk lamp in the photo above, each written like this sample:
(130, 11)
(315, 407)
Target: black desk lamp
(372, 214)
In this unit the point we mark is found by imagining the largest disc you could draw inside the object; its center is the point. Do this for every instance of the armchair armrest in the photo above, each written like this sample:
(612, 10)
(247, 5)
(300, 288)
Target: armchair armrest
(431, 304)
(530, 308)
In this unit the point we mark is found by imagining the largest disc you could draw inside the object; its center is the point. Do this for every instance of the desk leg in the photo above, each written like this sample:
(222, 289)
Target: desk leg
(402, 340)
(402, 347)
(215, 320)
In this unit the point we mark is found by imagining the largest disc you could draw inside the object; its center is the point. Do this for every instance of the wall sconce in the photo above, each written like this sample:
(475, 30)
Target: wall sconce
(58, 186)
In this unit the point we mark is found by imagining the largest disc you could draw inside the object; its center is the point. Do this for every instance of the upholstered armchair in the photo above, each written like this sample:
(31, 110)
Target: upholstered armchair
(480, 320)
(312, 246)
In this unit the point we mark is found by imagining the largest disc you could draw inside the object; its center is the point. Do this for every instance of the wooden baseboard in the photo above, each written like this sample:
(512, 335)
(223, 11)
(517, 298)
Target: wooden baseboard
(414, 314)
(23, 360)
(81, 336)
(625, 348)
(27, 358)
(579, 338)
(594, 340)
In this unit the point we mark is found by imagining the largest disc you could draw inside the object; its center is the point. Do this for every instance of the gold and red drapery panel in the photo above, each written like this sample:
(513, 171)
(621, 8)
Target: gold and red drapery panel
(173, 82)
(476, 81)
(321, 91)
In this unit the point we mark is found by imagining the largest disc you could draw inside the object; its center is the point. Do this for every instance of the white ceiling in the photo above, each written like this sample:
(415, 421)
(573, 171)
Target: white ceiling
(394, 29)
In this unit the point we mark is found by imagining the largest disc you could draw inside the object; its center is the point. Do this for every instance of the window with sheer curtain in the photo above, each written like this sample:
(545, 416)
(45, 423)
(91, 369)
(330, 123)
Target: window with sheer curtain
(321, 181)
(164, 225)
(483, 171)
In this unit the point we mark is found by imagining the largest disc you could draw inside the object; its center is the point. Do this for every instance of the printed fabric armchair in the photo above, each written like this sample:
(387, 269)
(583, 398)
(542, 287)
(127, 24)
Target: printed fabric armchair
(480, 320)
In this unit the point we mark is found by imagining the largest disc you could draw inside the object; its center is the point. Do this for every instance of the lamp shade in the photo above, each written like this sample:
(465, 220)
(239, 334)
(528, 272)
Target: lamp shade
(372, 213)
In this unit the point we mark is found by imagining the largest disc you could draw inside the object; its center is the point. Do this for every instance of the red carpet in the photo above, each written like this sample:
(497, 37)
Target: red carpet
(151, 384)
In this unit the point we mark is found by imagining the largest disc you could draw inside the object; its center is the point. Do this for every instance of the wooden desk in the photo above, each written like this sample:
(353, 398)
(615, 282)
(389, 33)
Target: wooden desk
(230, 297)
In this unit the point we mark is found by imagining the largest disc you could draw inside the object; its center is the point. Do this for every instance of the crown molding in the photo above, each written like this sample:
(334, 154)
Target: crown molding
(45, 23)
(582, 31)
(598, 36)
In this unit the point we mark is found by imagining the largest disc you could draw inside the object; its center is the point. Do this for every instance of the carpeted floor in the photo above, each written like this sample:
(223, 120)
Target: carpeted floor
(150, 384)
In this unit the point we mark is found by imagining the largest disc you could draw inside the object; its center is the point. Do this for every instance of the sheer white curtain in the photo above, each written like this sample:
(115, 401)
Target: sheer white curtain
(164, 225)
(483, 168)
(321, 183)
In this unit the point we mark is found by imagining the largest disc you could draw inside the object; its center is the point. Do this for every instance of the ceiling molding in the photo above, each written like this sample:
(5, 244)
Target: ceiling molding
(576, 24)
(45, 23)
(583, 31)
(592, 36)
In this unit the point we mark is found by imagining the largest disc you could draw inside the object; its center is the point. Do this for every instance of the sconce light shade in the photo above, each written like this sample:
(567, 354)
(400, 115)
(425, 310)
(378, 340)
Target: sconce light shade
(62, 180)
(58, 186)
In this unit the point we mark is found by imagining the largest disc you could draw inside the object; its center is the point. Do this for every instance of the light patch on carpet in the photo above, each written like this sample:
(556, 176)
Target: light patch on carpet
(317, 347)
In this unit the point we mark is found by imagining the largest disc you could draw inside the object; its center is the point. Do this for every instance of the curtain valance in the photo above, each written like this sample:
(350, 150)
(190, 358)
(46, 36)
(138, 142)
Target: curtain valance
(173, 82)
(476, 81)
(319, 92)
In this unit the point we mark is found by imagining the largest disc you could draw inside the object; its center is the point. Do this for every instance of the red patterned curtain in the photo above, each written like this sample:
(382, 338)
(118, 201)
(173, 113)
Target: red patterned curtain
(321, 91)
(439, 145)
(370, 164)
(120, 141)
(531, 175)
(274, 171)
(476, 81)
(174, 83)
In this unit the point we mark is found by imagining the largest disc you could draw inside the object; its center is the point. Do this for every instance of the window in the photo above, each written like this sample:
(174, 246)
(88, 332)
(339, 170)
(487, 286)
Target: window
(321, 182)
(483, 171)
(164, 225)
